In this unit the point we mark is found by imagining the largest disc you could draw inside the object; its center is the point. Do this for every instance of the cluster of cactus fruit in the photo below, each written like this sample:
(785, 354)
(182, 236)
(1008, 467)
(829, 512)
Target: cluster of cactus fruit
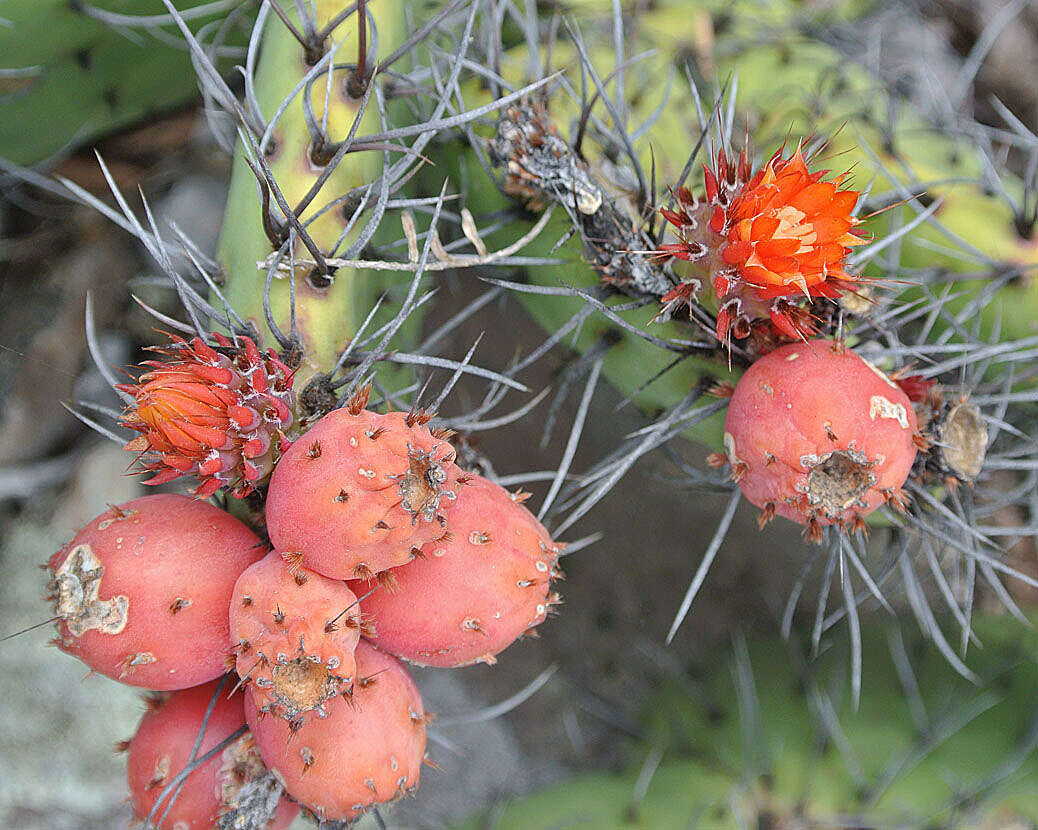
(329, 540)
(381, 549)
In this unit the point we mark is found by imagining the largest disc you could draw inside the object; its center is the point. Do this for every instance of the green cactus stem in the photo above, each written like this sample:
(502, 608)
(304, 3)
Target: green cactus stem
(329, 305)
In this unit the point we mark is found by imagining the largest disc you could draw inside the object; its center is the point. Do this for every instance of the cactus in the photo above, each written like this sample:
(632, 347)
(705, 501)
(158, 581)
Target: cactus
(767, 735)
(296, 399)
(141, 593)
(468, 597)
(823, 83)
(316, 310)
(672, 318)
(303, 336)
(77, 70)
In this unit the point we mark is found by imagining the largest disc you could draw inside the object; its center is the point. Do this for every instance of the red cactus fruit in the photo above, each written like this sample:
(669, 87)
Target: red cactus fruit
(161, 749)
(141, 593)
(816, 434)
(360, 491)
(763, 243)
(294, 634)
(471, 596)
(216, 412)
(368, 750)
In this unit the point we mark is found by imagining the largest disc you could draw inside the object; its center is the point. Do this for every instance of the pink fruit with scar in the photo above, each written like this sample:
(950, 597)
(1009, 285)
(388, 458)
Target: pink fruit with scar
(367, 751)
(162, 748)
(468, 597)
(141, 593)
(360, 491)
(816, 434)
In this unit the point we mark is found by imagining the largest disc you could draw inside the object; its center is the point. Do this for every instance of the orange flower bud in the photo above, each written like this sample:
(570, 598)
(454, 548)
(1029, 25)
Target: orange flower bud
(788, 232)
(218, 413)
(765, 243)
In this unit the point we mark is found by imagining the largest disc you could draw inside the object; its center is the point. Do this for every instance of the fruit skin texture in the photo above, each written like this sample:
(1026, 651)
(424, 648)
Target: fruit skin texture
(368, 750)
(162, 746)
(360, 490)
(294, 633)
(470, 597)
(142, 591)
(816, 434)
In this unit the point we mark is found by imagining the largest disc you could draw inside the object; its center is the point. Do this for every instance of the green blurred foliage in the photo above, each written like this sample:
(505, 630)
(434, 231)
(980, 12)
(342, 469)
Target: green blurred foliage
(66, 77)
(762, 736)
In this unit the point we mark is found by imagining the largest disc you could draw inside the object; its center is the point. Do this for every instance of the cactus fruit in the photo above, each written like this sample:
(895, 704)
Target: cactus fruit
(219, 414)
(360, 491)
(819, 436)
(761, 241)
(141, 593)
(163, 746)
(294, 633)
(368, 750)
(469, 597)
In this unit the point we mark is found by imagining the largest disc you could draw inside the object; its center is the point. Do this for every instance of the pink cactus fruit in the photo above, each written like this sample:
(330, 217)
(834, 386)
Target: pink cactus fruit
(469, 597)
(819, 436)
(162, 747)
(294, 633)
(360, 491)
(368, 750)
(141, 593)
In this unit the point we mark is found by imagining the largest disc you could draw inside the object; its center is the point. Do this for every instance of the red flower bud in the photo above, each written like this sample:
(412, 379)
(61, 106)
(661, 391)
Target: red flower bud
(219, 414)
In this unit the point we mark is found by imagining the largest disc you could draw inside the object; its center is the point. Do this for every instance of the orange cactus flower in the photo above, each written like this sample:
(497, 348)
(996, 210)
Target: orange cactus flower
(789, 232)
(765, 243)
(220, 414)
